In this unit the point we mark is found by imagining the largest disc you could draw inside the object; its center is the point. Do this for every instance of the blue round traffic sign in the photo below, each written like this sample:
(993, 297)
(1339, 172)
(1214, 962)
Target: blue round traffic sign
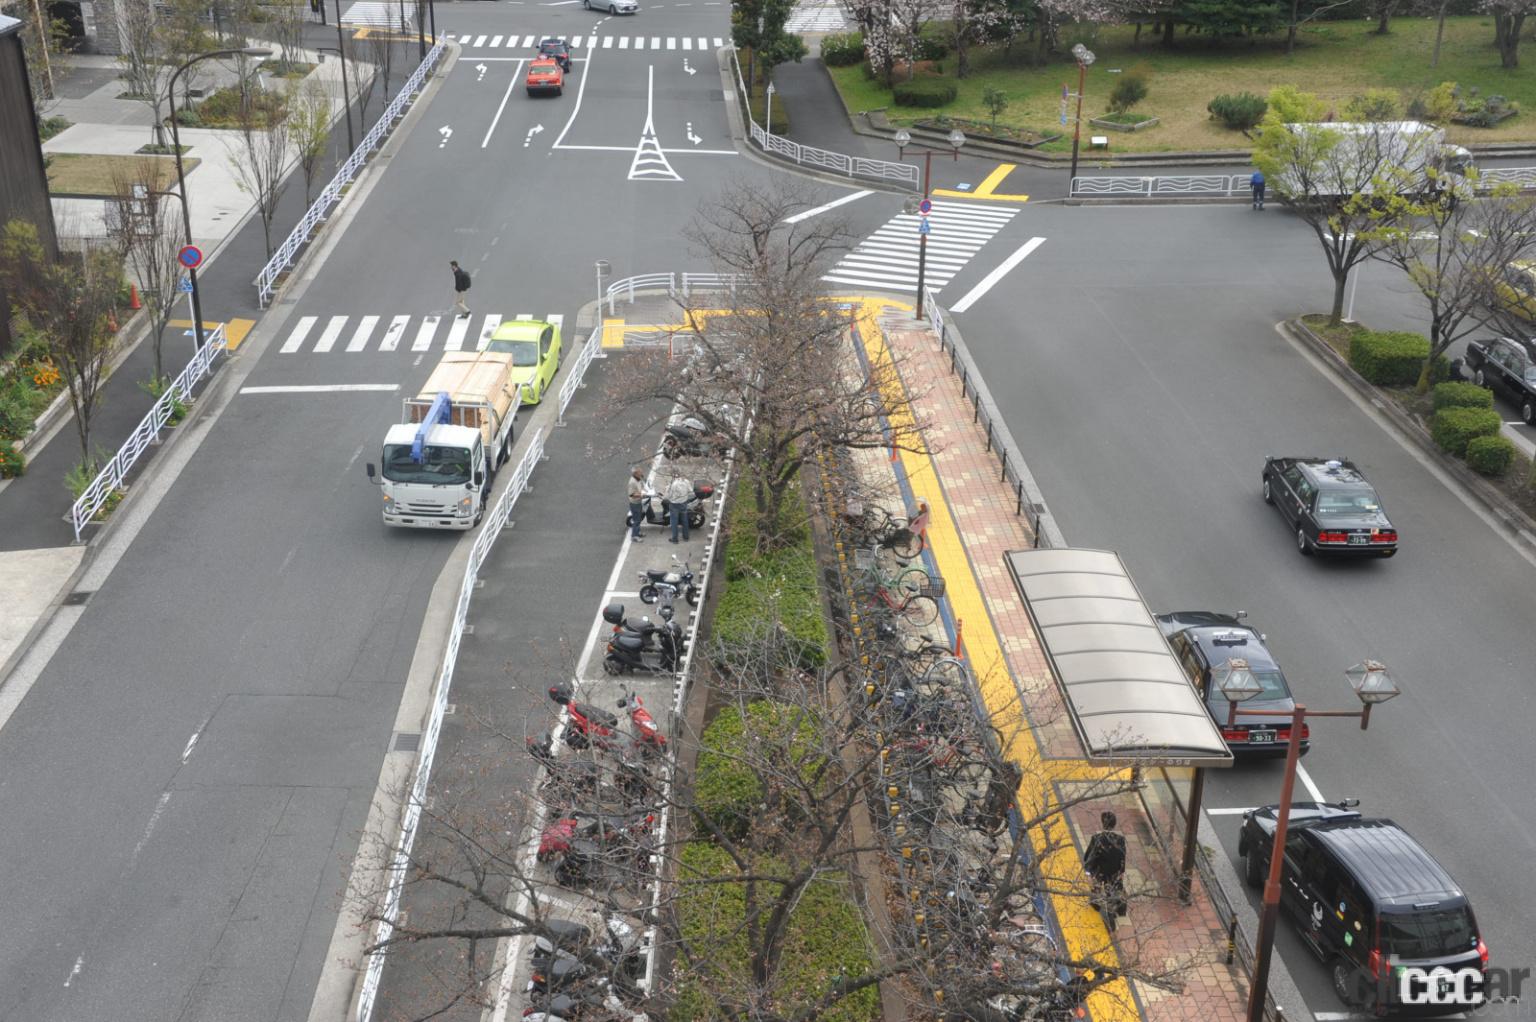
(925, 207)
(190, 256)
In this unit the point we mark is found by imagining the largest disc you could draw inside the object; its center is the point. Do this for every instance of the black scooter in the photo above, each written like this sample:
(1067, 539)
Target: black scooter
(669, 583)
(655, 509)
(633, 643)
(692, 438)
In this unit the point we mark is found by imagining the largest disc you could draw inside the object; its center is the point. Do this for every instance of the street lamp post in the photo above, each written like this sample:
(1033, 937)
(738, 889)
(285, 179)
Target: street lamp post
(346, 93)
(768, 114)
(1372, 684)
(181, 176)
(1084, 57)
(956, 139)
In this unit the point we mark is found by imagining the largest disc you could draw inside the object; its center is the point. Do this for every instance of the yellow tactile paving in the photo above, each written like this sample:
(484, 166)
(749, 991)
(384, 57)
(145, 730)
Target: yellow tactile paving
(988, 187)
(1082, 927)
(613, 333)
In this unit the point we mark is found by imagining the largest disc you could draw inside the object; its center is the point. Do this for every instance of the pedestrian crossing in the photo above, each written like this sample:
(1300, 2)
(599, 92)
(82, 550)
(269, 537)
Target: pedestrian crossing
(816, 17)
(470, 40)
(324, 335)
(380, 14)
(889, 257)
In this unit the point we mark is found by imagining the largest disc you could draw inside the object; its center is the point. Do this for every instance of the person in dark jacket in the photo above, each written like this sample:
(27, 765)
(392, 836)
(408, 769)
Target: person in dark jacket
(1105, 862)
(460, 289)
(1257, 183)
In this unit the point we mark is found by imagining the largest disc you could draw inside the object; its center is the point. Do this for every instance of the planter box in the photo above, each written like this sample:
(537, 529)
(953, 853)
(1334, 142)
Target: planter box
(1099, 122)
(1506, 115)
(980, 134)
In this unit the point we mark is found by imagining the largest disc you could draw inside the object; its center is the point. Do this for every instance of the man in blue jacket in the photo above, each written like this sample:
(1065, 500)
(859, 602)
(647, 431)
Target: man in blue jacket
(1257, 182)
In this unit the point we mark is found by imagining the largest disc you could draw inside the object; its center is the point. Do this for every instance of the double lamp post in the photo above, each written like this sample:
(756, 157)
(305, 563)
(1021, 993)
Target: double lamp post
(956, 139)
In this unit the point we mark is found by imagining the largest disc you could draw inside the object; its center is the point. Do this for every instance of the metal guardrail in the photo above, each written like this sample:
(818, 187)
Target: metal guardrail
(677, 285)
(578, 371)
(490, 529)
(1028, 501)
(330, 195)
(110, 479)
(1227, 185)
(823, 159)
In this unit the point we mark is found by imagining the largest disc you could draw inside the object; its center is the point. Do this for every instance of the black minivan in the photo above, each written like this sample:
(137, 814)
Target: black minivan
(1370, 902)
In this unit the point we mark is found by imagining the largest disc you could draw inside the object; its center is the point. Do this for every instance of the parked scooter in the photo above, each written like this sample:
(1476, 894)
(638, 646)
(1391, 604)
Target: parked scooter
(647, 735)
(559, 835)
(667, 584)
(588, 724)
(655, 508)
(629, 647)
(692, 438)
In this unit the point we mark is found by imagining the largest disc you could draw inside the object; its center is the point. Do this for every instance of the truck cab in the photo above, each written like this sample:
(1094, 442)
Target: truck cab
(443, 487)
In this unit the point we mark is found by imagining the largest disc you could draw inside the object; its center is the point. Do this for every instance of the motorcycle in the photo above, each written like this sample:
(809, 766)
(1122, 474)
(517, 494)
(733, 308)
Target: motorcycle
(559, 835)
(692, 438)
(647, 735)
(649, 515)
(631, 641)
(668, 584)
(588, 724)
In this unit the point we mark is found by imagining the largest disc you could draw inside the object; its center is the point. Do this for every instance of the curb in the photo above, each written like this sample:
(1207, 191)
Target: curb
(1518, 526)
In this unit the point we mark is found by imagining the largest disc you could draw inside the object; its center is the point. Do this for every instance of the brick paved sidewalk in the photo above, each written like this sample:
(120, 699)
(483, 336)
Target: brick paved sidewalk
(1161, 933)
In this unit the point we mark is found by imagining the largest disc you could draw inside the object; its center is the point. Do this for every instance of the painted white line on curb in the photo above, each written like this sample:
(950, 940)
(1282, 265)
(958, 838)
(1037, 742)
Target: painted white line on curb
(975, 294)
(822, 209)
(324, 388)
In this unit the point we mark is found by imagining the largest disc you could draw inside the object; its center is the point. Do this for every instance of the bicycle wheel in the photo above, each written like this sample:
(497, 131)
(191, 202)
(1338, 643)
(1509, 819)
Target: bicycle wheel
(905, 543)
(910, 582)
(919, 611)
(946, 672)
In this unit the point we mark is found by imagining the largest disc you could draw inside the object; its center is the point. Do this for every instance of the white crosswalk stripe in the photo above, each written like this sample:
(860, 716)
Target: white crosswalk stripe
(495, 40)
(428, 328)
(470, 40)
(624, 42)
(888, 258)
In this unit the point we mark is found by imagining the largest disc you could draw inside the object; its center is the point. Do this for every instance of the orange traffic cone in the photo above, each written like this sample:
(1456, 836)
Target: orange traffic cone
(133, 297)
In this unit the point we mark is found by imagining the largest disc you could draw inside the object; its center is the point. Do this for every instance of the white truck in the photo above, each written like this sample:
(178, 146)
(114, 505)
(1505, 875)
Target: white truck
(1342, 158)
(439, 459)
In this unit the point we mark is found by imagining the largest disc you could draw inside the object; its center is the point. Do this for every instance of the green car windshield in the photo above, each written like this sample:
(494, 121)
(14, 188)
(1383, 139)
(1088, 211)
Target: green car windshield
(440, 466)
(524, 353)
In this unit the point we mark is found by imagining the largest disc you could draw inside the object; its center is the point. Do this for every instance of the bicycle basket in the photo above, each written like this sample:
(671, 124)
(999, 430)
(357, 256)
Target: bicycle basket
(863, 560)
(934, 589)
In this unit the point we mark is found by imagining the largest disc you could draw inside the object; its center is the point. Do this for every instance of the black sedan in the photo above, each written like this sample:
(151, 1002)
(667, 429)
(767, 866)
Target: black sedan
(1204, 641)
(1330, 505)
(558, 50)
(1508, 367)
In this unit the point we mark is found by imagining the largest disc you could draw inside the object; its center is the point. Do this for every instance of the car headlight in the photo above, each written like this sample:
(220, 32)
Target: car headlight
(389, 502)
(465, 507)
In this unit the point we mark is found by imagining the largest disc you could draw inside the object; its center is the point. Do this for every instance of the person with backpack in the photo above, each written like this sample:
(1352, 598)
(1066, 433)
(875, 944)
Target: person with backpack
(460, 288)
(1105, 863)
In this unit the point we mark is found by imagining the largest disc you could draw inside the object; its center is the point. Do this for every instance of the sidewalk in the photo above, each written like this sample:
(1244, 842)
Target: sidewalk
(973, 526)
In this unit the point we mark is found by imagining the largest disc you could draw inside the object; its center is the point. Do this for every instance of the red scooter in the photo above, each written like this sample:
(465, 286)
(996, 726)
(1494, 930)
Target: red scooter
(589, 725)
(647, 735)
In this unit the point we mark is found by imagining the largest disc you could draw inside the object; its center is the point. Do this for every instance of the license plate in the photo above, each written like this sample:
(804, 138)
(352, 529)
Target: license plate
(1261, 737)
(1358, 539)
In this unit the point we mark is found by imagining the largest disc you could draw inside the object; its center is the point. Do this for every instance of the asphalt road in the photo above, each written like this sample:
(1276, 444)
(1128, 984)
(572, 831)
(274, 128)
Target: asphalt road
(1146, 381)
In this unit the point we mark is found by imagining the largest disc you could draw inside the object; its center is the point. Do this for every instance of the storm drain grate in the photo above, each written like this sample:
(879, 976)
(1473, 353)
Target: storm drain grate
(408, 741)
(78, 597)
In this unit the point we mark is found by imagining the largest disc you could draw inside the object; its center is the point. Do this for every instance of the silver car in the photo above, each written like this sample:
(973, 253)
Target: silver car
(612, 6)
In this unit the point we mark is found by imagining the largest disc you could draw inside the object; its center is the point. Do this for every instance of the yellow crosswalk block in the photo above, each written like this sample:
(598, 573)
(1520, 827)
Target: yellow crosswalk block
(613, 333)
(987, 188)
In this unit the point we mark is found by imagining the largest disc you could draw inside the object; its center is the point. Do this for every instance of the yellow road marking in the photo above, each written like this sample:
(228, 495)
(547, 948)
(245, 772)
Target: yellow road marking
(613, 333)
(1082, 927)
(986, 190)
(235, 332)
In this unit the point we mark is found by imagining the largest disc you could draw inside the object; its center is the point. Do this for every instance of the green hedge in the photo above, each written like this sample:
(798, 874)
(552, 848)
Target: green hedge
(1490, 455)
(725, 787)
(1454, 428)
(926, 93)
(1391, 358)
(780, 586)
(1238, 112)
(842, 50)
(1457, 394)
(826, 939)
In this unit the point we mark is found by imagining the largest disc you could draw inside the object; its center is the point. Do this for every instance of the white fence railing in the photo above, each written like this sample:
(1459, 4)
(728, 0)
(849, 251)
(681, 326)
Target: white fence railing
(490, 529)
(330, 195)
(677, 285)
(110, 479)
(823, 159)
(1226, 185)
(575, 375)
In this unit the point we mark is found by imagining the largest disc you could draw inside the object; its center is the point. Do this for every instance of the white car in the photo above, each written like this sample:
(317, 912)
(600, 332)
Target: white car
(612, 6)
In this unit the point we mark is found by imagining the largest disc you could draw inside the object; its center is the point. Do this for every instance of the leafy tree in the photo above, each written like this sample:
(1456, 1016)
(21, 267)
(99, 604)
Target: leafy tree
(1224, 19)
(758, 27)
(1373, 105)
(146, 224)
(70, 300)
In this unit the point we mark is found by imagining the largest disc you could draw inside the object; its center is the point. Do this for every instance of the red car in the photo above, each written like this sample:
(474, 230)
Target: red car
(544, 75)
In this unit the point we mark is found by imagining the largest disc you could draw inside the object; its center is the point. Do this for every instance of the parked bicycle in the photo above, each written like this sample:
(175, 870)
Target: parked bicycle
(872, 525)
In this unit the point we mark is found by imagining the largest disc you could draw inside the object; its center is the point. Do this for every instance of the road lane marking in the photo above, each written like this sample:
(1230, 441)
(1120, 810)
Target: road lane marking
(456, 334)
(516, 74)
(364, 331)
(296, 339)
(656, 42)
(687, 43)
(986, 190)
(328, 336)
(479, 41)
(424, 334)
(529, 41)
(391, 339)
(581, 90)
(1306, 779)
(325, 388)
(976, 293)
(487, 329)
(496, 40)
(607, 41)
(613, 333)
(624, 42)
(1225, 812)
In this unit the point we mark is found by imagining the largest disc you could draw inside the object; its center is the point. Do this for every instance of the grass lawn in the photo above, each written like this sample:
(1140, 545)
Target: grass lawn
(92, 174)
(1337, 60)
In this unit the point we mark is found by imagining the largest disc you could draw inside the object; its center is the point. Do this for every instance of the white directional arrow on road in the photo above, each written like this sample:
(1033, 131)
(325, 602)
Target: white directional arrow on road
(691, 70)
(447, 133)
(691, 136)
(528, 139)
(482, 69)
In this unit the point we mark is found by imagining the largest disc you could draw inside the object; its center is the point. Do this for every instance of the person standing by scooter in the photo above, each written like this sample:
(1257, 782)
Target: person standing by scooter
(636, 503)
(679, 493)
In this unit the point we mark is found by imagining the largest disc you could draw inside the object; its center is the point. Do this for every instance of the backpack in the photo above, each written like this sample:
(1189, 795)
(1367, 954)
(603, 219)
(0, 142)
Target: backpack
(1106, 854)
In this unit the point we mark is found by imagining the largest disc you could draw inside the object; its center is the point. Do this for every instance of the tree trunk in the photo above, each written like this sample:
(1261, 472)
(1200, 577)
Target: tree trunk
(1509, 38)
(962, 55)
(1434, 61)
(1337, 315)
(1168, 26)
(1290, 30)
(1381, 25)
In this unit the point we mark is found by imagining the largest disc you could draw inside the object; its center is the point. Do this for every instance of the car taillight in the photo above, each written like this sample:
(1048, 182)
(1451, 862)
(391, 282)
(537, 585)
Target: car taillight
(1233, 736)
(1482, 951)
(1306, 732)
(1333, 537)
(1384, 536)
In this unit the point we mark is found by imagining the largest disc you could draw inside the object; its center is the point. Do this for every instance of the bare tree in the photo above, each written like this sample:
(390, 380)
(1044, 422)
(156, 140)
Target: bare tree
(287, 25)
(364, 79)
(70, 301)
(146, 68)
(261, 151)
(42, 40)
(183, 35)
(764, 372)
(145, 221)
(309, 123)
(380, 52)
(1508, 18)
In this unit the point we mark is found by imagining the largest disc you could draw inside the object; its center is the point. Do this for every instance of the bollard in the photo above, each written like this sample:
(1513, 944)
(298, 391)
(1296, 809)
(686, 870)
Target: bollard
(959, 637)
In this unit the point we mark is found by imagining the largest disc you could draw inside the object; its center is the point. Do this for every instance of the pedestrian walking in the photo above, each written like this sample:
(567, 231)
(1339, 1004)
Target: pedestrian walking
(679, 493)
(1257, 184)
(460, 288)
(1105, 862)
(636, 503)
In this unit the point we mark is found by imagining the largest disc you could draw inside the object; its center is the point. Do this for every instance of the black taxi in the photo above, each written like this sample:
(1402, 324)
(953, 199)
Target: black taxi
(1331, 507)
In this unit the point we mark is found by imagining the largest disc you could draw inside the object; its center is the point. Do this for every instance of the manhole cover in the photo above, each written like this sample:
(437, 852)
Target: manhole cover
(78, 597)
